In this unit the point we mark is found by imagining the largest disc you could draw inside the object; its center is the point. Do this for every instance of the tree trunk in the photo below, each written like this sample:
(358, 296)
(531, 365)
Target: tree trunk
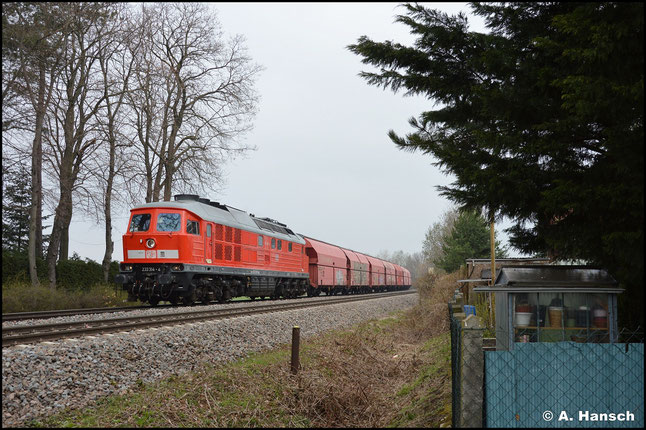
(65, 242)
(168, 183)
(109, 244)
(35, 214)
(62, 218)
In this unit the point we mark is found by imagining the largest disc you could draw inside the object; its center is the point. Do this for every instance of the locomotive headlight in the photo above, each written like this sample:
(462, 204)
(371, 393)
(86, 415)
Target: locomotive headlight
(150, 243)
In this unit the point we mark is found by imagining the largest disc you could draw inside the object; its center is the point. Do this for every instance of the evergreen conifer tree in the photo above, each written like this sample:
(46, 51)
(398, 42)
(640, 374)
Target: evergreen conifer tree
(16, 200)
(539, 120)
(469, 238)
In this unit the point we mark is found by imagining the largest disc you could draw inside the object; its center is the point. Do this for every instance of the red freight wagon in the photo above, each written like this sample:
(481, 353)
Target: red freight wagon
(358, 269)
(352, 264)
(327, 267)
(399, 276)
(407, 280)
(390, 275)
(377, 274)
(364, 271)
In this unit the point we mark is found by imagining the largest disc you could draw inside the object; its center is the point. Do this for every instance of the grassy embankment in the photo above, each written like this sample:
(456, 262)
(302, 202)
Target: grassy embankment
(391, 372)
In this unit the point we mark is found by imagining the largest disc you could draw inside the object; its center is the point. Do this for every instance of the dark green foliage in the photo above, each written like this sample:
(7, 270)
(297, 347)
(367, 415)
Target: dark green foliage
(15, 266)
(469, 238)
(71, 274)
(16, 199)
(540, 120)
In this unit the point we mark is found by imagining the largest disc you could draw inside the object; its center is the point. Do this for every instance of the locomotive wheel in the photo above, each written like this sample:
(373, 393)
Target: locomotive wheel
(174, 300)
(153, 301)
(187, 300)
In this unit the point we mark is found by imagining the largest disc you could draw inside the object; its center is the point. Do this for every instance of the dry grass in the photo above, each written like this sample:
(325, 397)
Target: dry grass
(389, 372)
(430, 317)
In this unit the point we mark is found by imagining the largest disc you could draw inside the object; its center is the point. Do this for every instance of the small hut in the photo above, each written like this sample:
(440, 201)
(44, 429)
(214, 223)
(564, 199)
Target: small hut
(549, 303)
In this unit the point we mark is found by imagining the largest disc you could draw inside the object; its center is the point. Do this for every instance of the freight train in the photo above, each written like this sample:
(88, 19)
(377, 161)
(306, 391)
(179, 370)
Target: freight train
(196, 250)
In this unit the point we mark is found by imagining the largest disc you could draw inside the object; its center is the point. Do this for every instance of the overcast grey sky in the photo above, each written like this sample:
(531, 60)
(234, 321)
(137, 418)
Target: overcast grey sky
(324, 164)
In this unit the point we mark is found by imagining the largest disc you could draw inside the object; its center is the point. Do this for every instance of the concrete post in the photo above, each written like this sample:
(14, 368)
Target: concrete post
(472, 373)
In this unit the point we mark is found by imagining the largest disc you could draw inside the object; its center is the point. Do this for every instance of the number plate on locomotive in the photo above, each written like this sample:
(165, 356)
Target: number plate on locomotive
(149, 269)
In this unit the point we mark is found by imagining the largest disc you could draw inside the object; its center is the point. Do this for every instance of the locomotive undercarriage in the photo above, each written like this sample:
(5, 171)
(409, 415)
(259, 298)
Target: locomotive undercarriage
(155, 283)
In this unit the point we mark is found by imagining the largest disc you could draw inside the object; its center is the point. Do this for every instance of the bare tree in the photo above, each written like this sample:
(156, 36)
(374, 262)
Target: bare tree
(111, 163)
(414, 262)
(31, 48)
(195, 96)
(78, 97)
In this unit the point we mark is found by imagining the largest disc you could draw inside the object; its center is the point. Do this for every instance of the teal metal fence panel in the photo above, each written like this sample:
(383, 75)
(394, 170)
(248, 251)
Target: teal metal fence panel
(565, 384)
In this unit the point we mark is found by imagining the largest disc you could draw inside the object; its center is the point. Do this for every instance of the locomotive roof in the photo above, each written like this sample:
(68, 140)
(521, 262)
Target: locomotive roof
(230, 216)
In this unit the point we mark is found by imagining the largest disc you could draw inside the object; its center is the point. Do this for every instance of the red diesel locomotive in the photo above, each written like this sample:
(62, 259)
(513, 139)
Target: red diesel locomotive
(193, 249)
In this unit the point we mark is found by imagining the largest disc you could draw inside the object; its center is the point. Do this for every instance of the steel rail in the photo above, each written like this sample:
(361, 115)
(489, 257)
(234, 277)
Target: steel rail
(41, 332)
(18, 316)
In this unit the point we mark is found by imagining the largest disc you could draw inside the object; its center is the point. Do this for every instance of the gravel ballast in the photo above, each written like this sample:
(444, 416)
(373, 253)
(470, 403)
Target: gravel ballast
(44, 378)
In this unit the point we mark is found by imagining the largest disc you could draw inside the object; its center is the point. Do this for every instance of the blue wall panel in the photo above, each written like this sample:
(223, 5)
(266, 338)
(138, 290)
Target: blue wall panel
(524, 384)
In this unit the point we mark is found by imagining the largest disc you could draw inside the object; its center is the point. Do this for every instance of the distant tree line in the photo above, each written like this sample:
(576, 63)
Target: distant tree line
(540, 120)
(448, 243)
(116, 103)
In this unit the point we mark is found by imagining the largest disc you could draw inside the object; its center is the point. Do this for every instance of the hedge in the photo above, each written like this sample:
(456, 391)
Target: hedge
(72, 274)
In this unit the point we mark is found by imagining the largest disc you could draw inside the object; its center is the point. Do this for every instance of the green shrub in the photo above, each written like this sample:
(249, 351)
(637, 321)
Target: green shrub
(71, 274)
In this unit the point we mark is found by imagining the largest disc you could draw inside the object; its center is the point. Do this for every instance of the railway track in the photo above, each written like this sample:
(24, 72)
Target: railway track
(48, 332)
(37, 315)
(19, 316)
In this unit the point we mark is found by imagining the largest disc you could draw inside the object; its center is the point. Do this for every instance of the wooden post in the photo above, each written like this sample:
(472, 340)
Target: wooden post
(296, 340)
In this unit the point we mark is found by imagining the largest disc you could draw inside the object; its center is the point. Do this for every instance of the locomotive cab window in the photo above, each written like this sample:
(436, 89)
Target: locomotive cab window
(273, 243)
(289, 247)
(140, 222)
(192, 227)
(169, 222)
(208, 230)
(280, 244)
(260, 240)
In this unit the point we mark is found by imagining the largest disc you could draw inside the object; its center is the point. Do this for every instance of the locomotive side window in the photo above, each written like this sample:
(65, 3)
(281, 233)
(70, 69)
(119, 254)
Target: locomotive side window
(289, 247)
(273, 243)
(169, 222)
(208, 230)
(280, 244)
(192, 227)
(260, 240)
(140, 222)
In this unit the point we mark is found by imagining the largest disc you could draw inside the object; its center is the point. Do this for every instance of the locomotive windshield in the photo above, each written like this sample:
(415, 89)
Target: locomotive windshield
(140, 222)
(169, 222)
